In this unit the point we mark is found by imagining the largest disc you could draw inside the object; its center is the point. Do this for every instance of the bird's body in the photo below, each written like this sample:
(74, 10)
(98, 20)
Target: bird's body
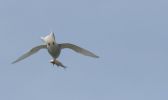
(52, 46)
(54, 49)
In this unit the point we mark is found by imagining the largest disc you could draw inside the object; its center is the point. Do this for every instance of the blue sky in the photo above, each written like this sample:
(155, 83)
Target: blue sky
(130, 37)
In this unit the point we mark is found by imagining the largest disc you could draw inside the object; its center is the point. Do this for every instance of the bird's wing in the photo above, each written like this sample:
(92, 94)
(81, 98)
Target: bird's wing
(30, 52)
(78, 49)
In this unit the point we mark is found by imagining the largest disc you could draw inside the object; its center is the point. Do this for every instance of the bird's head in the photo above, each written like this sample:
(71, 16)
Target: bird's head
(49, 39)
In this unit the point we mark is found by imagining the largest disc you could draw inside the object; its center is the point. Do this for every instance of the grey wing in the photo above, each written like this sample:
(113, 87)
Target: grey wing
(78, 49)
(30, 52)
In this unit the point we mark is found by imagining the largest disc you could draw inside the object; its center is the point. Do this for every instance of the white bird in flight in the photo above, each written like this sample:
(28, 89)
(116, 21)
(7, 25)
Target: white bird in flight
(54, 50)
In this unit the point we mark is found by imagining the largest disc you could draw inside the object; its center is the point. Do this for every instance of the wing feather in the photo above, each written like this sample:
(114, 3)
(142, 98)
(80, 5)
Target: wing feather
(78, 49)
(30, 52)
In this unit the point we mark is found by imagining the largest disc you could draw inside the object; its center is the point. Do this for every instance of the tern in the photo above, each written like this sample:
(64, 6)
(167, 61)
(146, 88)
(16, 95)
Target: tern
(54, 49)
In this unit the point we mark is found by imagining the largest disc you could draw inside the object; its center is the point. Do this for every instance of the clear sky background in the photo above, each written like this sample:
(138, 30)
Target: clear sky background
(130, 36)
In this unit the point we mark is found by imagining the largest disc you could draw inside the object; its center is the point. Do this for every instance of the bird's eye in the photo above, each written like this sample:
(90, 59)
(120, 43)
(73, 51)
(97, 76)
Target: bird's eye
(53, 43)
(49, 44)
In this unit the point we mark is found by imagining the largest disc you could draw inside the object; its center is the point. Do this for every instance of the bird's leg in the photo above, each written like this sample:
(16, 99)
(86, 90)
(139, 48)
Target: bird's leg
(58, 63)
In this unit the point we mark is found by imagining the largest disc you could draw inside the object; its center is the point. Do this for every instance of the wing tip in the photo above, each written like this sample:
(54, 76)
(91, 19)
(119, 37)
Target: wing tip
(13, 62)
(96, 56)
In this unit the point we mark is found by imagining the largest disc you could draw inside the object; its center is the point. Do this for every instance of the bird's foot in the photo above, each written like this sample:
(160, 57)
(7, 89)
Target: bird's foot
(58, 63)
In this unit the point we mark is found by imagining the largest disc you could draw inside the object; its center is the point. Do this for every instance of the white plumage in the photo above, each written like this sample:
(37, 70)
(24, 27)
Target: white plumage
(54, 50)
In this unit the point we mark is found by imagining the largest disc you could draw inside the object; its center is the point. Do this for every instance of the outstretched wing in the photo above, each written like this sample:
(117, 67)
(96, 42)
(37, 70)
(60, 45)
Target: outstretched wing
(30, 52)
(78, 49)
